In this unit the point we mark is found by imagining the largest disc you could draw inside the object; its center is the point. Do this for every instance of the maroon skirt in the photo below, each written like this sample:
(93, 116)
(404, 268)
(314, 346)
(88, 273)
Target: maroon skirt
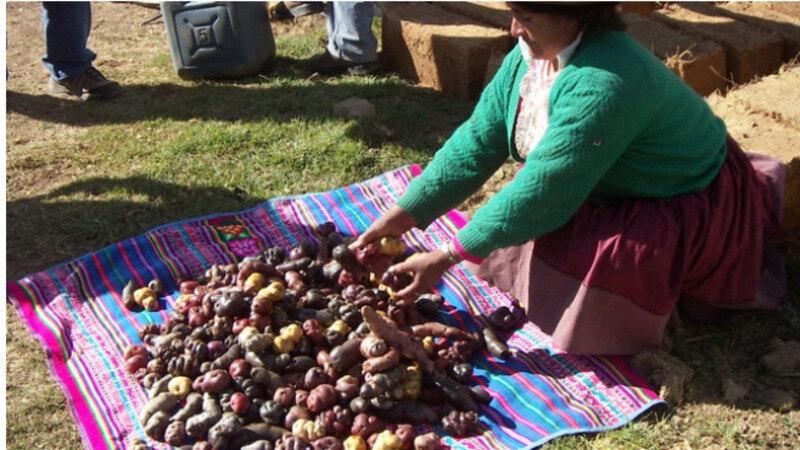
(608, 281)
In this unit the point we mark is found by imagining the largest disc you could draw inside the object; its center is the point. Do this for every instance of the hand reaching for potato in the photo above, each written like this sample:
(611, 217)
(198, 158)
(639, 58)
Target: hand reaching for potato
(427, 269)
(395, 222)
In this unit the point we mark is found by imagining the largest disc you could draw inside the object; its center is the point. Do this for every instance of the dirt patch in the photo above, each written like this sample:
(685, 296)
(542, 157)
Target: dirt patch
(791, 9)
(761, 117)
(299, 26)
(777, 96)
(784, 358)
(733, 391)
(668, 374)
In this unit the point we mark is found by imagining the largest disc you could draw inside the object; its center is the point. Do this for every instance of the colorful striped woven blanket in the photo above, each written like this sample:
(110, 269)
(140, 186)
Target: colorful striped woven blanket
(76, 311)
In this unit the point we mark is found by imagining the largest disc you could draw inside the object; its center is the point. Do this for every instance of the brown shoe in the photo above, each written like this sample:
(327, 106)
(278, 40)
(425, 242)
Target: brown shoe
(89, 85)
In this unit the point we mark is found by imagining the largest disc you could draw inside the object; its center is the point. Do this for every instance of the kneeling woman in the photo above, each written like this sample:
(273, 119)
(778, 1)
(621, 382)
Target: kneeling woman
(629, 196)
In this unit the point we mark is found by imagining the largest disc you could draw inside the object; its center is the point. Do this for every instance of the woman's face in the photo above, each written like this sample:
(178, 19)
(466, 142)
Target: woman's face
(546, 34)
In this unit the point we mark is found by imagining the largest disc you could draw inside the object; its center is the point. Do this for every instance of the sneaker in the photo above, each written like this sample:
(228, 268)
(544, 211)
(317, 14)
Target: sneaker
(89, 85)
(325, 64)
(293, 10)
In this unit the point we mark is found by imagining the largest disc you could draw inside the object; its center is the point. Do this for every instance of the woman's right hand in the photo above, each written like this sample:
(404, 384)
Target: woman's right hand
(395, 222)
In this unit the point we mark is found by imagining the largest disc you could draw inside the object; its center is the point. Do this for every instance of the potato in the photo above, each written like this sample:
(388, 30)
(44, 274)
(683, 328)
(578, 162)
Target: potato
(139, 295)
(135, 363)
(387, 441)
(180, 387)
(321, 398)
(216, 381)
(239, 403)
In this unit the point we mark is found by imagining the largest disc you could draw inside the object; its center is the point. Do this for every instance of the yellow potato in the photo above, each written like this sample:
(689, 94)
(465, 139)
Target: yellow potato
(283, 344)
(293, 332)
(355, 442)
(142, 293)
(387, 441)
(391, 246)
(341, 327)
(428, 344)
(180, 387)
(150, 304)
(255, 282)
(273, 292)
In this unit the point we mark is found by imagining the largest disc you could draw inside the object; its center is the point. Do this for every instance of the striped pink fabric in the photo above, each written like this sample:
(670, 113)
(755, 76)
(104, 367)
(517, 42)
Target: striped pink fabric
(76, 312)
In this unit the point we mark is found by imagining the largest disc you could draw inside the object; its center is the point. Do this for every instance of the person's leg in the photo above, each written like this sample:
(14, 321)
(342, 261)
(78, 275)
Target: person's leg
(350, 34)
(352, 47)
(66, 30)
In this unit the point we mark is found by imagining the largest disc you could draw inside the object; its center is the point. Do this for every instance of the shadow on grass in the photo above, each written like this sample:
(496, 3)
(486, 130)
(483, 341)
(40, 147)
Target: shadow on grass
(405, 115)
(87, 215)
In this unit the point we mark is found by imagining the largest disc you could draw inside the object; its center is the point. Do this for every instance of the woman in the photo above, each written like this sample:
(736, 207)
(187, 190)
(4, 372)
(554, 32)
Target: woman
(630, 195)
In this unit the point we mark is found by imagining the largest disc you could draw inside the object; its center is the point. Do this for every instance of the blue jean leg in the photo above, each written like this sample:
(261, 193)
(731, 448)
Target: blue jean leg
(66, 31)
(350, 35)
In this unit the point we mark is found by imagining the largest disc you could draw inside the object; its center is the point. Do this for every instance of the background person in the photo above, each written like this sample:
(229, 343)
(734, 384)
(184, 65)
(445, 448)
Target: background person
(352, 47)
(68, 60)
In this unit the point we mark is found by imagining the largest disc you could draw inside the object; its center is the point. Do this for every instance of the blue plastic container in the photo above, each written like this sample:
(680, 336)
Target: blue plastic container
(218, 39)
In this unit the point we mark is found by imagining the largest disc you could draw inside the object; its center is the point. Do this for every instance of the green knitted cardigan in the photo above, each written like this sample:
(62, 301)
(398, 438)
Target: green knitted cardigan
(621, 126)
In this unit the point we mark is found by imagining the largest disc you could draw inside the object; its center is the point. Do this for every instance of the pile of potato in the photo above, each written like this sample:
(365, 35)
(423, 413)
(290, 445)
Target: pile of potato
(306, 349)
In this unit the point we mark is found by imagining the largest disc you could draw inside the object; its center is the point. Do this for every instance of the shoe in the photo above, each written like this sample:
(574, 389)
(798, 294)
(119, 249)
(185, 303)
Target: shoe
(325, 64)
(89, 85)
(293, 10)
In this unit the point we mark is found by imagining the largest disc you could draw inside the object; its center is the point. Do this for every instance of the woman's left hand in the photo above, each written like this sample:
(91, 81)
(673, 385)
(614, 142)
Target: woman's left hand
(427, 268)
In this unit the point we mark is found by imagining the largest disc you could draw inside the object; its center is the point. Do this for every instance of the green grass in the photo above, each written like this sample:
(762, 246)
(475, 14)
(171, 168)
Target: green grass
(81, 176)
(274, 136)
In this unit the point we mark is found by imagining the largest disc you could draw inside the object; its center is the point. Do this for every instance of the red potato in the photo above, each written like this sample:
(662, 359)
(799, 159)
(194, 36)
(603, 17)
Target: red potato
(365, 425)
(260, 321)
(240, 325)
(135, 350)
(321, 398)
(397, 339)
(215, 348)
(136, 362)
(284, 397)
(239, 403)
(239, 368)
(406, 434)
(381, 363)
(216, 381)
(188, 286)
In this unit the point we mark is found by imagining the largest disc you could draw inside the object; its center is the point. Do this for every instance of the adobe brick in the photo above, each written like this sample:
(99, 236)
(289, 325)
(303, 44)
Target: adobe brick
(641, 8)
(438, 48)
(761, 15)
(749, 51)
(493, 14)
(698, 61)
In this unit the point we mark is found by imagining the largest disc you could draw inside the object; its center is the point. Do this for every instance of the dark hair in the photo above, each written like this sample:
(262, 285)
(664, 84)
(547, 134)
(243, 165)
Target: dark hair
(590, 15)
